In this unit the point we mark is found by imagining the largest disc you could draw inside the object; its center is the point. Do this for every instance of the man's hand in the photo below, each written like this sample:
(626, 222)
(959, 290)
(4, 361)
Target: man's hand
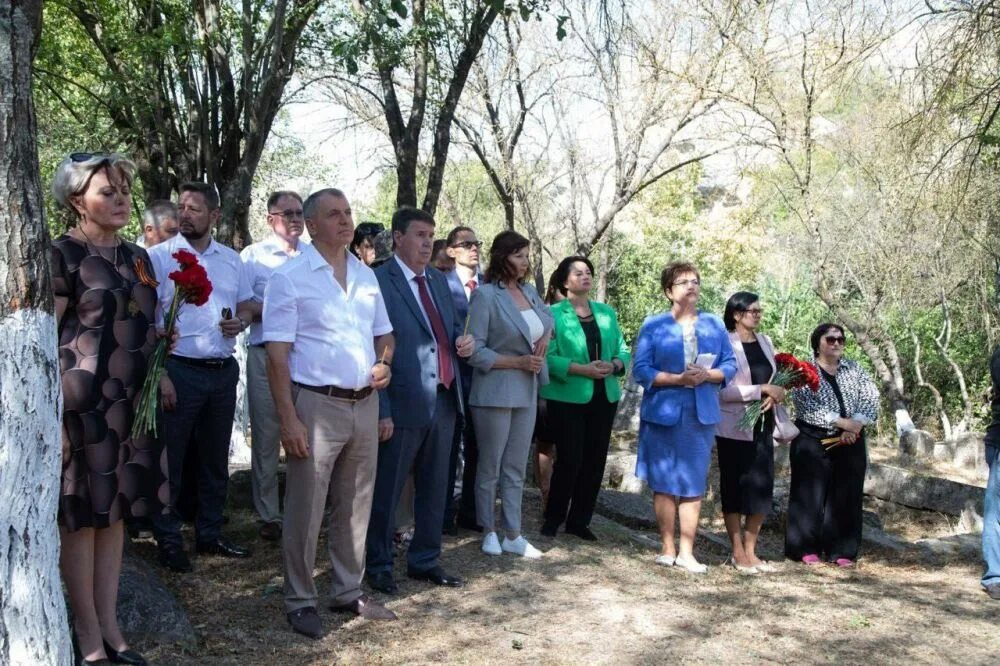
(231, 327)
(465, 345)
(381, 374)
(294, 437)
(385, 428)
(168, 395)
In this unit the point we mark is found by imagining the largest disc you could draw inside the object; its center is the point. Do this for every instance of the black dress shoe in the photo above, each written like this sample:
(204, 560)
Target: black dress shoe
(270, 531)
(123, 657)
(582, 532)
(451, 529)
(305, 621)
(468, 524)
(175, 559)
(549, 529)
(223, 548)
(382, 581)
(437, 576)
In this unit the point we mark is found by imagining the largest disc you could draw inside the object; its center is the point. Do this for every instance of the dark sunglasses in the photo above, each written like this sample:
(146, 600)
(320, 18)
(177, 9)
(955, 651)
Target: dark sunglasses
(835, 339)
(85, 157)
(468, 245)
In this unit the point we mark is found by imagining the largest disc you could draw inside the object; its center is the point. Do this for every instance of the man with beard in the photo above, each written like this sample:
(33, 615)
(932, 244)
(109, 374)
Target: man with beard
(284, 215)
(198, 388)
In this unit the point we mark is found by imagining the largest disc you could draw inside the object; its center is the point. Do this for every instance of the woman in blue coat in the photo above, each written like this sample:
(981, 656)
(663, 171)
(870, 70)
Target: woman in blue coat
(682, 359)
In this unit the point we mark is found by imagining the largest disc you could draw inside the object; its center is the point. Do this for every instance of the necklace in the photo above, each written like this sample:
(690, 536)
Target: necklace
(133, 305)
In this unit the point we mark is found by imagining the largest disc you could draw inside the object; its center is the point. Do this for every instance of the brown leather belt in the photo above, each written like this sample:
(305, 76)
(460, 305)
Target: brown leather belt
(337, 392)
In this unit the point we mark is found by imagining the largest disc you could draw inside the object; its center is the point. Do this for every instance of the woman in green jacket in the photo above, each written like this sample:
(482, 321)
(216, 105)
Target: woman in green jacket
(585, 358)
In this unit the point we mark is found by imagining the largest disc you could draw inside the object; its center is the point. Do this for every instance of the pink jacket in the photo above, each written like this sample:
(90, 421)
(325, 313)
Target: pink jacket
(739, 393)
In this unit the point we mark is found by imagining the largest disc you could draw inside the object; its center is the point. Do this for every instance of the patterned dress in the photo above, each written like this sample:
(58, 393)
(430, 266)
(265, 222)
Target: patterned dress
(106, 335)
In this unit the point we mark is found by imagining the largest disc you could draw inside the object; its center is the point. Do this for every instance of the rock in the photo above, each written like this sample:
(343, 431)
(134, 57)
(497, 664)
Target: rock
(970, 520)
(240, 493)
(969, 451)
(147, 611)
(963, 545)
(944, 451)
(921, 491)
(627, 417)
(916, 443)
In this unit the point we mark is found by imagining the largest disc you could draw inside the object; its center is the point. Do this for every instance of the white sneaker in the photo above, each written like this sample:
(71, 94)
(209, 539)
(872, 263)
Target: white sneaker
(491, 544)
(520, 546)
(665, 560)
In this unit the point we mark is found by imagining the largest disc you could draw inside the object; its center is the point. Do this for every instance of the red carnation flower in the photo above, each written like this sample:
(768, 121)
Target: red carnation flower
(185, 258)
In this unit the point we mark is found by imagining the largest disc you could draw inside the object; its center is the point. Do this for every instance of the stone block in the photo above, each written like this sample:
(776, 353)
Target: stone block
(969, 453)
(627, 416)
(916, 443)
(921, 491)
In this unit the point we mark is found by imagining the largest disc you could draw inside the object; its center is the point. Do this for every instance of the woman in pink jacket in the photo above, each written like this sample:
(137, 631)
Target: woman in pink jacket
(746, 457)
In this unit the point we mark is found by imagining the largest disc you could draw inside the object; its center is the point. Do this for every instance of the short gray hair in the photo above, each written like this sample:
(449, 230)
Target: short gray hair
(74, 173)
(309, 207)
(158, 211)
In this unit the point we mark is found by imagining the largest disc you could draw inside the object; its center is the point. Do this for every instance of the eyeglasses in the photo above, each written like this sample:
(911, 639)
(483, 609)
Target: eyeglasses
(694, 282)
(288, 214)
(86, 157)
(835, 339)
(468, 245)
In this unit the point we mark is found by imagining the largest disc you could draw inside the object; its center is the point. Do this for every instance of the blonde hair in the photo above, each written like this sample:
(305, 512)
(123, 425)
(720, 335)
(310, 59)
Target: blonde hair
(74, 173)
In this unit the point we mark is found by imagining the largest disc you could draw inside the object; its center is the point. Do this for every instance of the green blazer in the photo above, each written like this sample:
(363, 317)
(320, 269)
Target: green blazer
(569, 345)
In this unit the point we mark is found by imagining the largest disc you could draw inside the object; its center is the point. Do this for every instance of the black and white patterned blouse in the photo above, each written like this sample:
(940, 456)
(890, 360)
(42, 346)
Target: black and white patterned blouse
(821, 408)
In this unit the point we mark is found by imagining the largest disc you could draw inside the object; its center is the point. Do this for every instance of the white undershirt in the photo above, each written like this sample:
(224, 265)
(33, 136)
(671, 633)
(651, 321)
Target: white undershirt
(535, 327)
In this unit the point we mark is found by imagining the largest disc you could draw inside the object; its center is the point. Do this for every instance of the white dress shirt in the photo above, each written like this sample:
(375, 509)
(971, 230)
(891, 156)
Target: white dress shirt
(200, 335)
(409, 275)
(332, 331)
(259, 261)
(465, 274)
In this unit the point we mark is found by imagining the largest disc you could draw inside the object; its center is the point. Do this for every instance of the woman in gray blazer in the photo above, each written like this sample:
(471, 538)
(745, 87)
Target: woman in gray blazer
(511, 326)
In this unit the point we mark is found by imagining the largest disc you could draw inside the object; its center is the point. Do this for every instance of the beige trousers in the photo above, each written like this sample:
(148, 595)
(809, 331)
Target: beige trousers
(343, 450)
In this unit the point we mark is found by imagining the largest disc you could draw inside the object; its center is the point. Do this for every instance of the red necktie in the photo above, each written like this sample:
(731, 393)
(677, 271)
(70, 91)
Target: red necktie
(471, 284)
(445, 372)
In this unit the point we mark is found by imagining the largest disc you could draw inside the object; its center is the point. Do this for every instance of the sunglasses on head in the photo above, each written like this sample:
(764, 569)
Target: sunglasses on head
(85, 157)
(835, 339)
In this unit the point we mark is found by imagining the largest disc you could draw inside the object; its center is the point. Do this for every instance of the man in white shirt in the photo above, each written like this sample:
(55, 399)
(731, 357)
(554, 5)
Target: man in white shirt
(198, 387)
(284, 215)
(159, 223)
(329, 346)
(464, 248)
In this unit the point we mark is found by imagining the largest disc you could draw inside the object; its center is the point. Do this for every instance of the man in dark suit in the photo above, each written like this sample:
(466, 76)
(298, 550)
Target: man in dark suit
(417, 412)
(463, 247)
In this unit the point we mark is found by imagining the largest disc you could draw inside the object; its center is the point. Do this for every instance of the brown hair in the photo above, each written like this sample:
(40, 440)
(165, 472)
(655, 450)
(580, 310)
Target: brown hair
(505, 244)
(672, 270)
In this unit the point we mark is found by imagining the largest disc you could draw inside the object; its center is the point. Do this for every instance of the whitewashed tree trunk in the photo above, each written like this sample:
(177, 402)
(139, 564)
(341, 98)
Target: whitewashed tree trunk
(33, 625)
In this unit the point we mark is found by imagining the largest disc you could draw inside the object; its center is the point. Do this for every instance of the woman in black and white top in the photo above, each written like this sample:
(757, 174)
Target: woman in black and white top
(828, 458)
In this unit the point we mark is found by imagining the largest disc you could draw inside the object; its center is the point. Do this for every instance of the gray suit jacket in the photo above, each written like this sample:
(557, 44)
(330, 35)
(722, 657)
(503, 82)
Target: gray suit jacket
(499, 329)
(412, 393)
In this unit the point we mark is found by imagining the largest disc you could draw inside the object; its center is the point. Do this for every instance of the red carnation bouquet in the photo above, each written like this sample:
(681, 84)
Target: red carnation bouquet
(191, 285)
(792, 374)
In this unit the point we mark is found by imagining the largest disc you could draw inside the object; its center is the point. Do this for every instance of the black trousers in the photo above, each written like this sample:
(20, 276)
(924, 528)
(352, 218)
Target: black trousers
(464, 444)
(203, 419)
(582, 434)
(824, 501)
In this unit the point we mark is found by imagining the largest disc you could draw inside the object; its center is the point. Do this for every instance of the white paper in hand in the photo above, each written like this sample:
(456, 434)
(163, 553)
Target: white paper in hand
(705, 361)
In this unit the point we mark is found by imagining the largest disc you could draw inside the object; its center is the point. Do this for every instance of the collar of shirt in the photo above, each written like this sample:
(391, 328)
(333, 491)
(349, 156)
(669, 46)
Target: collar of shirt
(465, 274)
(407, 271)
(275, 244)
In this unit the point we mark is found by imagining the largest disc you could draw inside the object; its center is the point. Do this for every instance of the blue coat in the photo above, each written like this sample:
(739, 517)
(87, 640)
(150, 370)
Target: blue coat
(411, 396)
(660, 347)
(462, 311)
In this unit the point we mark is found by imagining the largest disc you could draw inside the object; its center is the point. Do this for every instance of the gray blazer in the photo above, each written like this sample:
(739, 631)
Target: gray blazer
(499, 329)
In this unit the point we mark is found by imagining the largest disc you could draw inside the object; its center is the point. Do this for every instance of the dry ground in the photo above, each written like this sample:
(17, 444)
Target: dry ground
(600, 603)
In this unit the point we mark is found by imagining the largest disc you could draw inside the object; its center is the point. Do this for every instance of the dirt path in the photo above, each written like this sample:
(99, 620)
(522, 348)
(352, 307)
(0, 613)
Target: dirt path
(601, 603)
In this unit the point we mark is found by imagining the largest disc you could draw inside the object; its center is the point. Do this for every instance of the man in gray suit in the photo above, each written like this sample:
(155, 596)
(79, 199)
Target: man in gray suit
(417, 412)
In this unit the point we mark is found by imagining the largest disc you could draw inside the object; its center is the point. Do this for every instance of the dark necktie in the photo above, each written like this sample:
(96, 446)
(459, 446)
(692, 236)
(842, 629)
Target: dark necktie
(445, 371)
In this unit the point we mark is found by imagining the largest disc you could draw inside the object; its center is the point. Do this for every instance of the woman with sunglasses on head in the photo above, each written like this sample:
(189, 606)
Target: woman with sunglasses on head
(828, 457)
(682, 358)
(105, 299)
(746, 457)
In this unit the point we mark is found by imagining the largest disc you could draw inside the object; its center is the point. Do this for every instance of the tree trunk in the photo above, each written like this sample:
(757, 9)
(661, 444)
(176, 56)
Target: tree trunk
(33, 625)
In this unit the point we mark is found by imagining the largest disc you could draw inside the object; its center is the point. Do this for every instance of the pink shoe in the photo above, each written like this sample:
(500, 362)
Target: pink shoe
(811, 558)
(844, 562)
